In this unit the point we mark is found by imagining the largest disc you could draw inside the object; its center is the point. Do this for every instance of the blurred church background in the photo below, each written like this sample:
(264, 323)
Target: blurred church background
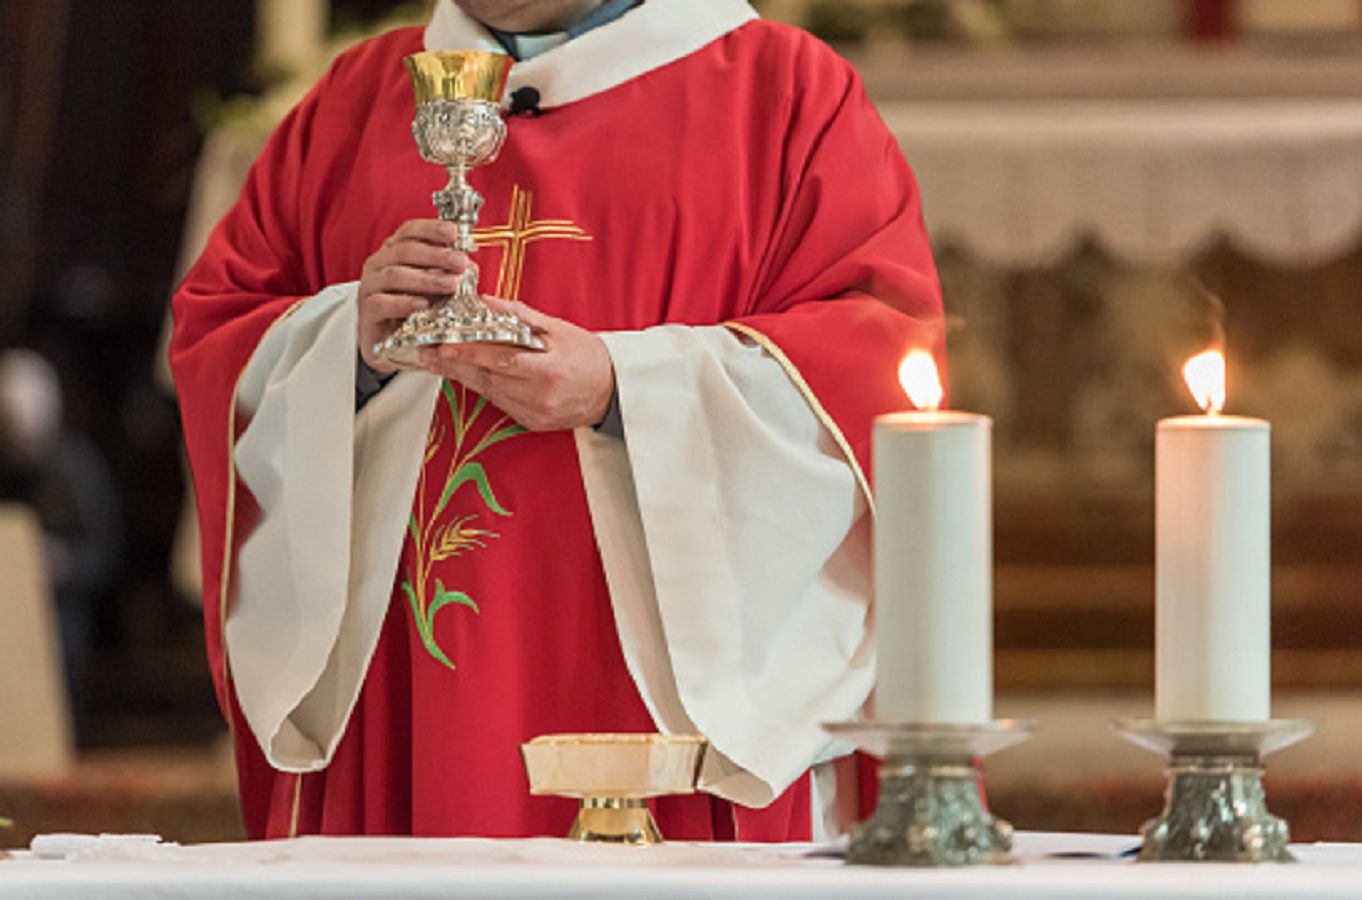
(1110, 184)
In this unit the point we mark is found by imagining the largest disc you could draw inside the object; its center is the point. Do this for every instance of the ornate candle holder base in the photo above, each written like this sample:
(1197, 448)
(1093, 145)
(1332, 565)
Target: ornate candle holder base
(931, 810)
(1215, 810)
(613, 775)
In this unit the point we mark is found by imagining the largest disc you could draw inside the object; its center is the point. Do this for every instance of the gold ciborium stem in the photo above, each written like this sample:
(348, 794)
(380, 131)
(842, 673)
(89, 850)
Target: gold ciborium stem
(615, 820)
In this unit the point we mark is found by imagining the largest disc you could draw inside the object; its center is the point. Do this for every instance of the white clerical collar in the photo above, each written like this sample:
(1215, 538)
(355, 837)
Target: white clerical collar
(650, 35)
(528, 46)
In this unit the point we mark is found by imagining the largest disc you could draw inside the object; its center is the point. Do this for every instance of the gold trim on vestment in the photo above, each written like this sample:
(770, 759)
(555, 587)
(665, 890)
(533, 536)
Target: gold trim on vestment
(792, 371)
(514, 237)
(297, 804)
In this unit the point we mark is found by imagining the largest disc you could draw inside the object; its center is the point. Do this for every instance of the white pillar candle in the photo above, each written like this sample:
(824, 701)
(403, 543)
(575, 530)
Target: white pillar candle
(1212, 615)
(933, 568)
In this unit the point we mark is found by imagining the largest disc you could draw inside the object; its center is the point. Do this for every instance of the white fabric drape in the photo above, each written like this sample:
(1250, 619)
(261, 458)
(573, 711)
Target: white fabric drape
(314, 578)
(736, 544)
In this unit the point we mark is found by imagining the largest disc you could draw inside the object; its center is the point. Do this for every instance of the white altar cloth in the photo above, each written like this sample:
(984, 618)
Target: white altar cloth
(1019, 181)
(458, 868)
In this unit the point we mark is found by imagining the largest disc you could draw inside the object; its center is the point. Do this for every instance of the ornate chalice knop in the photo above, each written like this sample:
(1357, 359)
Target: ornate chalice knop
(458, 125)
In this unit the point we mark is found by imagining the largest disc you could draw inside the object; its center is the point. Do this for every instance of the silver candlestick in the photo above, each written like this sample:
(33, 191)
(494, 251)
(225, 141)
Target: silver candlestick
(1215, 807)
(931, 810)
(458, 125)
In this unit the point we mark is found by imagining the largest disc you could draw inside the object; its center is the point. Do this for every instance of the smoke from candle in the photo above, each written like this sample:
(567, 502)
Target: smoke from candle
(1215, 313)
(1191, 356)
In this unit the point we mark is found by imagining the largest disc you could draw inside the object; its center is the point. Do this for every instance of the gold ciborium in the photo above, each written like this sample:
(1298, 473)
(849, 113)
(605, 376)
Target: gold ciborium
(614, 775)
(458, 125)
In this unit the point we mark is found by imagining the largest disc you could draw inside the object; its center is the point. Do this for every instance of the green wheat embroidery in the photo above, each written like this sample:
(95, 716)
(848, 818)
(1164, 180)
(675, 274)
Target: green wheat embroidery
(437, 540)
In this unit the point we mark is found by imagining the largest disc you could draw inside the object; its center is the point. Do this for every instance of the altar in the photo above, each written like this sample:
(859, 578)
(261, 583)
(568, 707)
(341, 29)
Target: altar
(1049, 865)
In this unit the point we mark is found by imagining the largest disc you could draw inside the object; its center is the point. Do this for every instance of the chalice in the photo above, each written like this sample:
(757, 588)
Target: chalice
(458, 125)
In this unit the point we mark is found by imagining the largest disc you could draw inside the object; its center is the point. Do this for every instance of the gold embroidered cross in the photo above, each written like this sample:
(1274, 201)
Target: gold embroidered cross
(515, 237)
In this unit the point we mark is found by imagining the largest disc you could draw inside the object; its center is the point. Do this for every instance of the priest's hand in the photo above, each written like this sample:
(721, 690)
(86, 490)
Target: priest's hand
(567, 385)
(415, 266)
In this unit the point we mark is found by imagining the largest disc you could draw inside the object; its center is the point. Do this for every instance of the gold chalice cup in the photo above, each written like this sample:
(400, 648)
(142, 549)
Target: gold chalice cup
(458, 125)
(614, 775)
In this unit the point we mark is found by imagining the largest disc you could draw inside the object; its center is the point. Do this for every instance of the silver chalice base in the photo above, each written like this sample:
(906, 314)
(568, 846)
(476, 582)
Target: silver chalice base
(931, 809)
(1215, 808)
(441, 326)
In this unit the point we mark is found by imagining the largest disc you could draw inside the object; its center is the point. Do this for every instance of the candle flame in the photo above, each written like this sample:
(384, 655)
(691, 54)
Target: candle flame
(1205, 374)
(920, 380)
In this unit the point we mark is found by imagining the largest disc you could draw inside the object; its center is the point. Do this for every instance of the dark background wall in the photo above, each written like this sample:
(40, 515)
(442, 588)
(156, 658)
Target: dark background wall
(98, 140)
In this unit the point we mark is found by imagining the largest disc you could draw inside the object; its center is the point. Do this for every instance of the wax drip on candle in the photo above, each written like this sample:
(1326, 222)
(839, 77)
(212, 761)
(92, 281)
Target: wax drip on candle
(921, 381)
(1205, 375)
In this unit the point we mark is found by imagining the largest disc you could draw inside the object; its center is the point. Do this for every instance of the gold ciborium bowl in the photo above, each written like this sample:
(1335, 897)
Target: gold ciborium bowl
(614, 775)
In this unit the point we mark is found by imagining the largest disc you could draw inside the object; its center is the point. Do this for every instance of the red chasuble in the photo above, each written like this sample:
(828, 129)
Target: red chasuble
(750, 184)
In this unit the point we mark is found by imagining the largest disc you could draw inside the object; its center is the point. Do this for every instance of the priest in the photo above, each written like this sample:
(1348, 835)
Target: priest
(661, 523)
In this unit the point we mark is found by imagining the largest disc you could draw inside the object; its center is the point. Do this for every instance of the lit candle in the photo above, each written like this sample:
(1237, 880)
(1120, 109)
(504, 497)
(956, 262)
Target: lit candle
(933, 558)
(1212, 622)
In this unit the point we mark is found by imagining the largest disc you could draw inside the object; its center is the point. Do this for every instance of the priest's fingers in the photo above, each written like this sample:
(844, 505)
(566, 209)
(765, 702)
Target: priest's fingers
(420, 255)
(379, 314)
(506, 361)
(432, 231)
(529, 402)
(518, 399)
(539, 408)
(529, 315)
(475, 378)
(395, 307)
(416, 254)
(567, 387)
(410, 280)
